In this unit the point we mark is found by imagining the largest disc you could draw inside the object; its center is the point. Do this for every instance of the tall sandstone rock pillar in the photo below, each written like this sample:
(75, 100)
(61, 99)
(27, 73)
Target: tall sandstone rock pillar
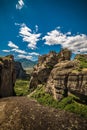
(7, 76)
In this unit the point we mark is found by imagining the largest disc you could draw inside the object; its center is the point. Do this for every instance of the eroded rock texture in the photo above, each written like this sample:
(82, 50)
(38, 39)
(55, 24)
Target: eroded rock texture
(43, 68)
(7, 76)
(60, 75)
(65, 78)
(45, 65)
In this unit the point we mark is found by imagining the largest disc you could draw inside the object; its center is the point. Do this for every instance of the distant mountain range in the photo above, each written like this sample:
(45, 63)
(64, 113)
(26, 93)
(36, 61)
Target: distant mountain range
(27, 63)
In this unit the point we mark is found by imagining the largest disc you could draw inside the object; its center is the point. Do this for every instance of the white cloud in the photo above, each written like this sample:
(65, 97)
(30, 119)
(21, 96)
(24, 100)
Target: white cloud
(24, 56)
(14, 48)
(12, 45)
(29, 37)
(6, 51)
(20, 4)
(19, 51)
(76, 43)
(34, 54)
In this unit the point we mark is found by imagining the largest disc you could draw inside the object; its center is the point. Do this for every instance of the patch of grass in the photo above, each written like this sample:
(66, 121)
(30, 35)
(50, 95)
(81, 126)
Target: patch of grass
(44, 98)
(83, 62)
(77, 108)
(21, 87)
(69, 103)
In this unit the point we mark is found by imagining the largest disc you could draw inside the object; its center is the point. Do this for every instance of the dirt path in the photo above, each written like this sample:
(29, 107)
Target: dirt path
(22, 113)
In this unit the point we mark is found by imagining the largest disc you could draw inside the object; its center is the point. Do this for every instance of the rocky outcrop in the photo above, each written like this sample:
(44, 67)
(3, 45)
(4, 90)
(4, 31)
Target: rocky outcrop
(65, 78)
(7, 76)
(20, 72)
(45, 65)
(43, 68)
(60, 75)
(64, 54)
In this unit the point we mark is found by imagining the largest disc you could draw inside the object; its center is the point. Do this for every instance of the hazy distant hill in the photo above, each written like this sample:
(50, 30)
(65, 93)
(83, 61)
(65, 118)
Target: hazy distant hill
(27, 63)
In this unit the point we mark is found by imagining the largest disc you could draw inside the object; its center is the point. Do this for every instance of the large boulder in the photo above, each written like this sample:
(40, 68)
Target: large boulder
(7, 76)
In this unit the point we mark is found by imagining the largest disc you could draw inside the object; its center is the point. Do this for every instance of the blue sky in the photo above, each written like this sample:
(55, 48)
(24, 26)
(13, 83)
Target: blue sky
(29, 28)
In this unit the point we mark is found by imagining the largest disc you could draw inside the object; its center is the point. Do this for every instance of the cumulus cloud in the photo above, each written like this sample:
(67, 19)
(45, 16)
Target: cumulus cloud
(20, 4)
(28, 36)
(25, 56)
(12, 45)
(76, 43)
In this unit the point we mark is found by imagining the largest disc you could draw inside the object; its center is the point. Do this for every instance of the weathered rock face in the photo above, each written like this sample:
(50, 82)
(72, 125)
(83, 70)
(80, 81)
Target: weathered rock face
(60, 75)
(65, 78)
(65, 54)
(20, 72)
(7, 76)
(43, 68)
(45, 65)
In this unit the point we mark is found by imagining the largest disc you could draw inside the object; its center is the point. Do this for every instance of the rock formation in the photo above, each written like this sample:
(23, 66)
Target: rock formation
(60, 75)
(43, 69)
(7, 76)
(64, 54)
(45, 65)
(65, 78)
(20, 72)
